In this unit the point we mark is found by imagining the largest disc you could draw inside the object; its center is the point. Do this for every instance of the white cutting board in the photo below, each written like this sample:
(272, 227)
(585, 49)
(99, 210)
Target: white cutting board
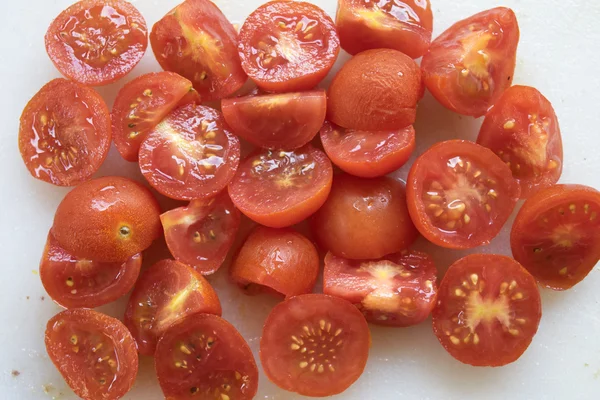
(558, 54)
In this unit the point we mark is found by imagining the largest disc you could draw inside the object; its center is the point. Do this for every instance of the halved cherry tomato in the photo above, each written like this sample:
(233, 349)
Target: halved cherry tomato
(93, 352)
(64, 134)
(278, 121)
(166, 293)
(522, 129)
(191, 154)
(281, 188)
(473, 62)
(315, 345)
(205, 357)
(108, 219)
(201, 234)
(555, 235)
(368, 154)
(96, 42)
(460, 194)
(488, 310)
(288, 46)
(197, 41)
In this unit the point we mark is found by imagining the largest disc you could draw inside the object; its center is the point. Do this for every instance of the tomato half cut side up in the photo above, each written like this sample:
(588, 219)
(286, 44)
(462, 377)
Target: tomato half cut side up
(460, 194)
(555, 235)
(94, 353)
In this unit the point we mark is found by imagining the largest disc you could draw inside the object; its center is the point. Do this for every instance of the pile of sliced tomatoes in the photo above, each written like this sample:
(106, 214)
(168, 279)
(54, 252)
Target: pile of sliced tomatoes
(459, 194)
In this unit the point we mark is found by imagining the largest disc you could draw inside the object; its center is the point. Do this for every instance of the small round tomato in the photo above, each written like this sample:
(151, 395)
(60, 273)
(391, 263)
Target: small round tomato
(107, 219)
(201, 234)
(473, 62)
(488, 310)
(368, 154)
(282, 188)
(397, 290)
(96, 42)
(522, 129)
(377, 90)
(94, 353)
(205, 357)
(288, 46)
(460, 194)
(166, 293)
(282, 261)
(196, 40)
(364, 218)
(64, 133)
(191, 154)
(315, 345)
(555, 235)
(278, 121)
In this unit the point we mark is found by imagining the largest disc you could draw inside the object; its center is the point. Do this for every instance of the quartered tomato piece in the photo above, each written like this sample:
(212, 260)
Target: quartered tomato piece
(460, 194)
(64, 133)
(94, 353)
(555, 235)
(281, 188)
(191, 154)
(488, 310)
(473, 62)
(315, 345)
(205, 357)
(201, 234)
(96, 42)
(288, 46)
(278, 121)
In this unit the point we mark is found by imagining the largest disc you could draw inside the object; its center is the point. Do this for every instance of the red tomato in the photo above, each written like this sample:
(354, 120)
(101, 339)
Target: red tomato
(397, 290)
(403, 25)
(205, 357)
(315, 345)
(197, 41)
(555, 235)
(368, 154)
(281, 188)
(488, 310)
(460, 194)
(278, 121)
(166, 293)
(522, 129)
(64, 135)
(288, 46)
(96, 42)
(473, 62)
(201, 234)
(94, 353)
(191, 154)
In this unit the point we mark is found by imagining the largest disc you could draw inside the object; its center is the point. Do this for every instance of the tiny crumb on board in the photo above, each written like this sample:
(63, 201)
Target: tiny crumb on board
(15, 373)
(43, 298)
(34, 271)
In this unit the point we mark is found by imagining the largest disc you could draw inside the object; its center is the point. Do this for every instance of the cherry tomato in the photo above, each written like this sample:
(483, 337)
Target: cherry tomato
(288, 46)
(368, 154)
(205, 357)
(555, 235)
(473, 62)
(201, 234)
(96, 42)
(278, 121)
(460, 194)
(281, 188)
(191, 154)
(315, 345)
(107, 219)
(166, 293)
(488, 310)
(94, 353)
(522, 129)
(64, 133)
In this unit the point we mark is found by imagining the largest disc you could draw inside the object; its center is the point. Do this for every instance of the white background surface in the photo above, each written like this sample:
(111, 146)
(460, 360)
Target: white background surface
(558, 54)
